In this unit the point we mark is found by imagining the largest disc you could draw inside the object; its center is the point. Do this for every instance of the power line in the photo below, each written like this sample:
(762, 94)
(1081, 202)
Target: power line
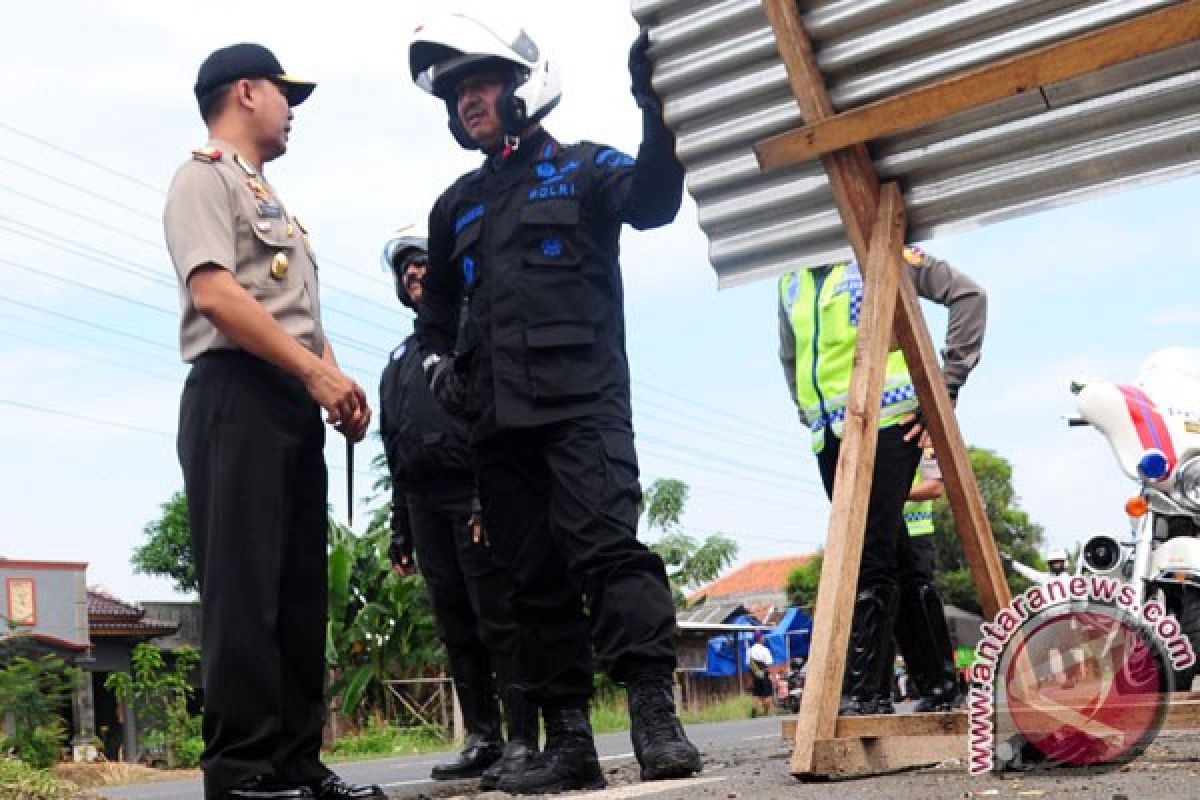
(95, 325)
(109, 423)
(11, 334)
(151, 306)
(81, 189)
(59, 149)
(61, 209)
(56, 240)
(83, 418)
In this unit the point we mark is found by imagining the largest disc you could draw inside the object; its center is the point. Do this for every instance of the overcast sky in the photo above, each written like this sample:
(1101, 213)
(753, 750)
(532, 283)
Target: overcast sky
(97, 114)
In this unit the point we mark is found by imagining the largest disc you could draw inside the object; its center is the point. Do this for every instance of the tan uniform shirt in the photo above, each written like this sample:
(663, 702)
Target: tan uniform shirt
(220, 212)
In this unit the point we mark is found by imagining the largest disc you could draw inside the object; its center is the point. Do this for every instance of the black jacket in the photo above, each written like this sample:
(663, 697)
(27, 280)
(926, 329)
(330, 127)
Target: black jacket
(426, 448)
(532, 239)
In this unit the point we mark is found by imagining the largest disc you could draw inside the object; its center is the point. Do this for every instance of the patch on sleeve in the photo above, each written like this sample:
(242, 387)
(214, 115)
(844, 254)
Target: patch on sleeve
(608, 157)
(398, 353)
(914, 255)
(209, 154)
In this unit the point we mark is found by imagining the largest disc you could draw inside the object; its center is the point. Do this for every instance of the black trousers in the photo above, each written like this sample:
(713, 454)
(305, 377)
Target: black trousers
(251, 447)
(561, 504)
(887, 557)
(472, 595)
(924, 557)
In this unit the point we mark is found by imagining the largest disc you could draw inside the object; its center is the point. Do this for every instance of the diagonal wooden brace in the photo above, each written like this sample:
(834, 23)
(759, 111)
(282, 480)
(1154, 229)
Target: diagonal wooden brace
(856, 461)
(866, 216)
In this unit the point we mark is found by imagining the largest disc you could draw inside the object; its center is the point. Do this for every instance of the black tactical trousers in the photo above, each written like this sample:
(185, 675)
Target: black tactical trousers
(251, 447)
(561, 504)
(887, 557)
(472, 593)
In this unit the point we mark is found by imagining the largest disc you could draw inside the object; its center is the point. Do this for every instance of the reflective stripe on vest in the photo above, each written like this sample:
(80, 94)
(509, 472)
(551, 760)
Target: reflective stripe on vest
(824, 306)
(918, 514)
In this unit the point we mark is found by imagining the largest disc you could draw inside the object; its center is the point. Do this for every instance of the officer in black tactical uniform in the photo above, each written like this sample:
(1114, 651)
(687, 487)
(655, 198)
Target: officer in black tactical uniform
(434, 510)
(541, 374)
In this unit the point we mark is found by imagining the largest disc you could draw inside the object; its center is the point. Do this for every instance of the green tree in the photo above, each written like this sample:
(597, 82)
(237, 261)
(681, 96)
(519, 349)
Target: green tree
(34, 688)
(1015, 533)
(380, 623)
(168, 549)
(803, 580)
(689, 562)
(159, 696)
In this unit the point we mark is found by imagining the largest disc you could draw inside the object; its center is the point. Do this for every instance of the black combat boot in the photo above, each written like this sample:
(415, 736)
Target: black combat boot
(924, 639)
(569, 761)
(659, 742)
(521, 720)
(481, 718)
(870, 637)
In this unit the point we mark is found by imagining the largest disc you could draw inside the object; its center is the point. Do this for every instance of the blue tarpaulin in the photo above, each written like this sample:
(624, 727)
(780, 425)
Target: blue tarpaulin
(791, 635)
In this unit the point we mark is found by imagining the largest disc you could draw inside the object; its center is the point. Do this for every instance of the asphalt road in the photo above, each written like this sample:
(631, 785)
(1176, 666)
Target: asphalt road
(408, 776)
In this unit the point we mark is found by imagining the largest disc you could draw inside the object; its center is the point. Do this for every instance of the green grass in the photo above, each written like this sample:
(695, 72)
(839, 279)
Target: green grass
(387, 741)
(610, 714)
(19, 781)
(733, 708)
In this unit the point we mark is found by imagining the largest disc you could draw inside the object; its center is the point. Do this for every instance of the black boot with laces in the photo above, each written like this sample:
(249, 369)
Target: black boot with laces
(659, 742)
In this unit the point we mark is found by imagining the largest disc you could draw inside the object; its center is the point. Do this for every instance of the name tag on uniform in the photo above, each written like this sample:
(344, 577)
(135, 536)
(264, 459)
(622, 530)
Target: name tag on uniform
(269, 209)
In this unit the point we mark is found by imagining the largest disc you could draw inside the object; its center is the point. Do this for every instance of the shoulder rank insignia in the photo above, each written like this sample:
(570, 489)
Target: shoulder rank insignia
(257, 189)
(209, 154)
(914, 255)
(244, 165)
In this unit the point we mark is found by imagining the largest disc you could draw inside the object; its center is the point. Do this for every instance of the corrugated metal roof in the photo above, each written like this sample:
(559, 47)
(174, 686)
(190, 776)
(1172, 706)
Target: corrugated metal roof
(725, 89)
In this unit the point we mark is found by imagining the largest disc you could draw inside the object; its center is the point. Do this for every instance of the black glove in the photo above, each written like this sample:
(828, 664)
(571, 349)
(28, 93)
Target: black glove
(445, 384)
(641, 70)
(400, 550)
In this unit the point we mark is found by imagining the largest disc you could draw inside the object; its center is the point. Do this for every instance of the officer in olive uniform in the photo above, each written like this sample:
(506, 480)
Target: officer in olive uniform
(251, 438)
(818, 329)
(434, 509)
(542, 376)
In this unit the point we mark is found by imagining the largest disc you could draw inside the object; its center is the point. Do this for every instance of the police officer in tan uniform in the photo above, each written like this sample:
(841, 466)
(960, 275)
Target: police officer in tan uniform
(251, 438)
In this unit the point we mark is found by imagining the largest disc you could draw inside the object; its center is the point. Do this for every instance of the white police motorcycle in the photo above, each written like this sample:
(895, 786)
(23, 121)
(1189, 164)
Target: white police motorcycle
(1153, 427)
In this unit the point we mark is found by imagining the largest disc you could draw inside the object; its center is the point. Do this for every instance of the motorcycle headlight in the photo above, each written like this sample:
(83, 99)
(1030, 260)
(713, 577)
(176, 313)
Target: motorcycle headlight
(1188, 484)
(1102, 554)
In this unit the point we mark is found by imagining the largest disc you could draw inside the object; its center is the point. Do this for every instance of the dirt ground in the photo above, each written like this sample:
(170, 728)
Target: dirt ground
(1168, 769)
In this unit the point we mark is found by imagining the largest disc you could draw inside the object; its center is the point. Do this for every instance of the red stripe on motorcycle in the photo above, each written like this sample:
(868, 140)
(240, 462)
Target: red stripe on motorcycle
(1151, 429)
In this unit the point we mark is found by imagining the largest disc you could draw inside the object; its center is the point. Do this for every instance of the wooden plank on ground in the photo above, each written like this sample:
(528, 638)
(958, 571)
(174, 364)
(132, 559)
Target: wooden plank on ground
(1079, 55)
(1183, 714)
(845, 758)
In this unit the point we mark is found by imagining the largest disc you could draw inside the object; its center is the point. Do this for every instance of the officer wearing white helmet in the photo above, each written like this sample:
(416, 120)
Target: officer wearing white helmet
(434, 510)
(1056, 563)
(542, 376)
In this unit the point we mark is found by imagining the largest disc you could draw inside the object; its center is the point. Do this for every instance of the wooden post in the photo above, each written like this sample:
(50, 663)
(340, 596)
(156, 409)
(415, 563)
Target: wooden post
(868, 220)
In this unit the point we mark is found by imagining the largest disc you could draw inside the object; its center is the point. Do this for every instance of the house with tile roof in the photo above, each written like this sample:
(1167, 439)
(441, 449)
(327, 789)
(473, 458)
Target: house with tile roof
(50, 609)
(759, 585)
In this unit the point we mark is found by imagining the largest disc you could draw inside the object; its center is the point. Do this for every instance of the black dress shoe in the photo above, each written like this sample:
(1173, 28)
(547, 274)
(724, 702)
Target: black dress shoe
(334, 788)
(267, 787)
(477, 755)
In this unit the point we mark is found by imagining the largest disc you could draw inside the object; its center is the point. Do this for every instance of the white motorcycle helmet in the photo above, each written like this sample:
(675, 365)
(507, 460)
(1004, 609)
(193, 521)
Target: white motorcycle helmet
(446, 49)
(1057, 554)
(407, 241)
